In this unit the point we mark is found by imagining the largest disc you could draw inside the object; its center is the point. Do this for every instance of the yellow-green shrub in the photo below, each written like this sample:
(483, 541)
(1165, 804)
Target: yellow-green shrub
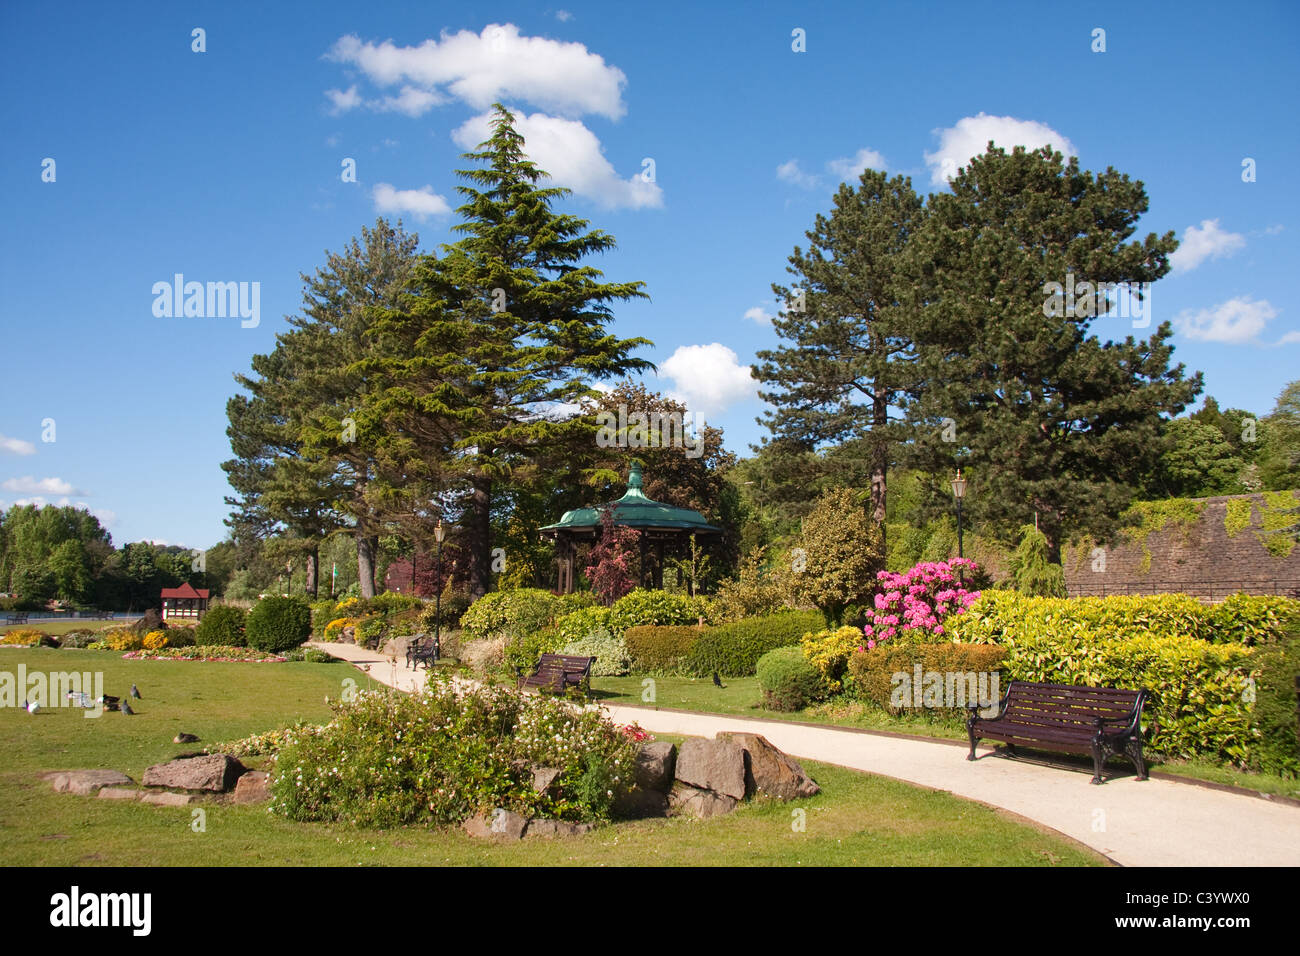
(828, 651)
(1003, 617)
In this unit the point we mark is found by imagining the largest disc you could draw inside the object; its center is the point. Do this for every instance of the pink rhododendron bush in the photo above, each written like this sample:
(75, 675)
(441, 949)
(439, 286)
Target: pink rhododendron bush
(915, 603)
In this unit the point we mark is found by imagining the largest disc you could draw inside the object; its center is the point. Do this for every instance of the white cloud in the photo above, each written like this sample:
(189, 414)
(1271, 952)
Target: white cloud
(28, 485)
(1238, 321)
(1288, 338)
(852, 167)
(1207, 242)
(421, 203)
(791, 173)
(564, 16)
(708, 378)
(970, 138)
(17, 446)
(344, 100)
(482, 68)
(571, 155)
(411, 101)
(759, 314)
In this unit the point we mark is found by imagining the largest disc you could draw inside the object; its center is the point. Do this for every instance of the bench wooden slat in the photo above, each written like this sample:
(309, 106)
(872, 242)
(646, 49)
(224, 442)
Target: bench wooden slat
(1063, 717)
(557, 671)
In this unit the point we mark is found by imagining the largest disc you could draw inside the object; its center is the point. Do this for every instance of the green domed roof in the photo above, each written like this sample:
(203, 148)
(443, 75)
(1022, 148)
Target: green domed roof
(635, 510)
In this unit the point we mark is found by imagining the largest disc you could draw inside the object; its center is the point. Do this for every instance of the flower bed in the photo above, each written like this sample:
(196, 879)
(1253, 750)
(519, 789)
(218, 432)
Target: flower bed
(438, 757)
(211, 652)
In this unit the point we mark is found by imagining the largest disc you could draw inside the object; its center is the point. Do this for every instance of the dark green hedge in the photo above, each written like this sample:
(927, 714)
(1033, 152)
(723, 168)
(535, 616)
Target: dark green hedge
(733, 650)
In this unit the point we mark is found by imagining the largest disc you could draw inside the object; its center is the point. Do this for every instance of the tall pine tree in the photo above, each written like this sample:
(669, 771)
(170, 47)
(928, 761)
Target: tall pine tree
(1043, 415)
(501, 332)
(849, 367)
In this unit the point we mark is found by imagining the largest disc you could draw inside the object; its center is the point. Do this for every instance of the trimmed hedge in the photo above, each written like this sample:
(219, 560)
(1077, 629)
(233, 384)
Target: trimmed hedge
(1275, 708)
(733, 650)
(277, 624)
(1004, 617)
(222, 625)
(660, 650)
(788, 679)
(871, 673)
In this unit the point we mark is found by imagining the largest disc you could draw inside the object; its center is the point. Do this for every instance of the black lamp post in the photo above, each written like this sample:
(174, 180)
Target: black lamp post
(959, 492)
(438, 534)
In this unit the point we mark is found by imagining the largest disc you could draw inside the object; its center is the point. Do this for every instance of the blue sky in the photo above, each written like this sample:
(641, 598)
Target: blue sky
(225, 166)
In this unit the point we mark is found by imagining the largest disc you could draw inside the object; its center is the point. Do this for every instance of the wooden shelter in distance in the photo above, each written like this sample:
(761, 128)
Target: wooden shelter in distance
(660, 525)
(184, 601)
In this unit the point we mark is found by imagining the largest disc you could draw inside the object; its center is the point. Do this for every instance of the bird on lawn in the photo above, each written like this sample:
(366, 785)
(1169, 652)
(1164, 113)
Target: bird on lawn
(31, 706)
(717, 681)
(135, 692)
(125, 708)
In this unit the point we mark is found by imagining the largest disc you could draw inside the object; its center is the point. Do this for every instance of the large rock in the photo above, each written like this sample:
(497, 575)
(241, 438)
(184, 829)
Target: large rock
(638, 804)
(654, 766)
(86, 782)
(215, 772)
(166, 798)
(691, 801)
(717, 765)
(543, 777)
(770, 772)
(550, 829)
(252, 788)
(499, 824)
(119, 793)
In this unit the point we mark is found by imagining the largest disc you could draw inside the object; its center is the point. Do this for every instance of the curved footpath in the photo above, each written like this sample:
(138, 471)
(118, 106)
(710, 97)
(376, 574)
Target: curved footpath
(1147, 823)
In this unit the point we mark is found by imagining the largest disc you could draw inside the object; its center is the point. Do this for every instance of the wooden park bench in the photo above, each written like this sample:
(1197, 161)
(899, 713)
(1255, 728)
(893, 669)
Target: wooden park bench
(558, 672)
(422, 652)
(1086, 720)
(20, 618)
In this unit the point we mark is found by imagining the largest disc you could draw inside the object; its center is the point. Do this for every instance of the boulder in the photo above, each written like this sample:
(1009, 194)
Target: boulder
(499, 824)
(85, 782)
(638, 804)
(717, 765)
(549, 829)
(543, 777)
(166, 798)
(215, 772)
(654, 766)
(119, 793)
(769, 771)
(396, 648)
(252, 788)
(692, 801)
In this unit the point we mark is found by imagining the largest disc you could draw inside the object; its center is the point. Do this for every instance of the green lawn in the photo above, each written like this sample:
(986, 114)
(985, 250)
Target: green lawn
(858, 819)
(742, 696)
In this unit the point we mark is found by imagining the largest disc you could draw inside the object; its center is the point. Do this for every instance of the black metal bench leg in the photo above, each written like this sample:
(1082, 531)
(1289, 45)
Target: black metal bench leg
(973, 739)
(1098, 759)
(1134, 751)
